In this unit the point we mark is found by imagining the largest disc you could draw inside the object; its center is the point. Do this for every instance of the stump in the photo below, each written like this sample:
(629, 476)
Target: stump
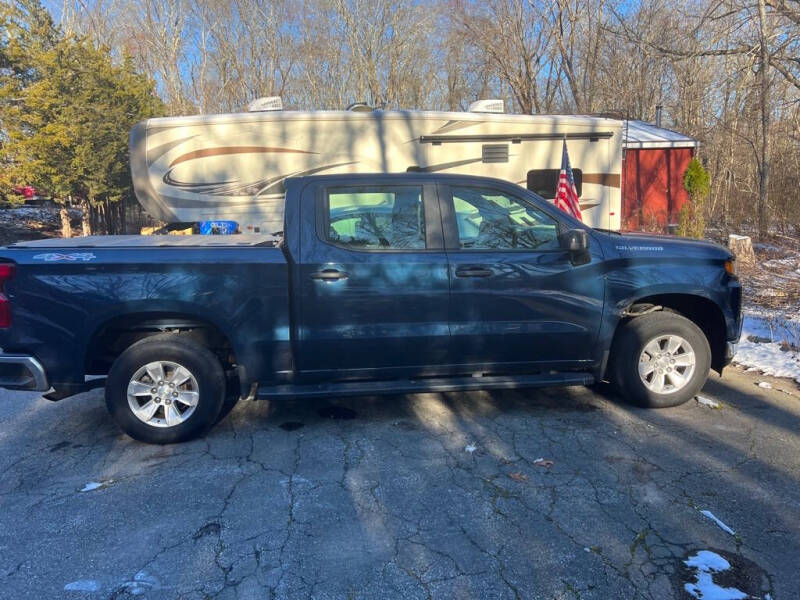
(742, 248)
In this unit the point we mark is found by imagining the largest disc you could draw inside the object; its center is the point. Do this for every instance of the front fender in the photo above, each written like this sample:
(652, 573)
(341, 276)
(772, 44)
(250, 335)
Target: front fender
(668, 282)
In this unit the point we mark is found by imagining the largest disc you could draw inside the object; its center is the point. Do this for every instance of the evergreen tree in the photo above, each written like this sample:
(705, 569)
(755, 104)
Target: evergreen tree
(67, 110)
(697, 182)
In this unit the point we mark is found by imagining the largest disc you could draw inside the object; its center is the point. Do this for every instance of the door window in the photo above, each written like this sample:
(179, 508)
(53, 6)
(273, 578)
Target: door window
(377, 218)
(493, 220)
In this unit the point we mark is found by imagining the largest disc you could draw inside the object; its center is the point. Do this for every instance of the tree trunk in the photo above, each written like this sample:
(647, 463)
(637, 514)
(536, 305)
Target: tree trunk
(763, 172)
(122, 215)
(85, 222)
(66, 228)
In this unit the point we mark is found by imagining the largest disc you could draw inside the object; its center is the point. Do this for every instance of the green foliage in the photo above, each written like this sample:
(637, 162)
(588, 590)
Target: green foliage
(66, 109)
(697, 182)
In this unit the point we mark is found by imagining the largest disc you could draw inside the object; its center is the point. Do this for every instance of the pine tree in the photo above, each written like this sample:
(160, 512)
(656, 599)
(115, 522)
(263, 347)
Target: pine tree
(697, 182)
(67, 110)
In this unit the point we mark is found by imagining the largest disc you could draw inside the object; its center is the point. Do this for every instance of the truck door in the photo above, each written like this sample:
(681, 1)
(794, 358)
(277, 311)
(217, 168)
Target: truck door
(515, 297)
(372, 285)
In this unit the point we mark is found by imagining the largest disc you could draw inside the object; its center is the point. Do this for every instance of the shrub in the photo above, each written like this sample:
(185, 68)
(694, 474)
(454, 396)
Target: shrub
(697, 182)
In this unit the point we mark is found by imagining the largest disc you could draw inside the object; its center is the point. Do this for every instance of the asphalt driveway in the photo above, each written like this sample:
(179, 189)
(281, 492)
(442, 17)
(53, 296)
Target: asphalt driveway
(420, 496)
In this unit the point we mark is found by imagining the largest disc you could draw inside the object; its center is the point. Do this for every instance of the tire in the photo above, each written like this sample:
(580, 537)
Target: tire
(182, 408)
(652, 360)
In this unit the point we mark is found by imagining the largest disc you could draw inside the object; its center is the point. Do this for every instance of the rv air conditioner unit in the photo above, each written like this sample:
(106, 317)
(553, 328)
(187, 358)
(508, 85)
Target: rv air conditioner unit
(359, 107)
(486, 106)
(267, 103)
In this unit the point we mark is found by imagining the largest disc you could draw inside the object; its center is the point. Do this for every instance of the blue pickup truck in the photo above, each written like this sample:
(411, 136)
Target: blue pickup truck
(377, 284)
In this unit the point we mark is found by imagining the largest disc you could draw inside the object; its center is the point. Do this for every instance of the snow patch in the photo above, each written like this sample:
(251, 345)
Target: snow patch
(769, 344)
(96, 485)
(83, 585)
(725, 528)
(765, 385)
(706, 402)
(706, 563)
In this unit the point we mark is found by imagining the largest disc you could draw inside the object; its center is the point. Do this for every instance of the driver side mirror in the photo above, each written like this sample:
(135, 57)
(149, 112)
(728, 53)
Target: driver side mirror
(576, 241)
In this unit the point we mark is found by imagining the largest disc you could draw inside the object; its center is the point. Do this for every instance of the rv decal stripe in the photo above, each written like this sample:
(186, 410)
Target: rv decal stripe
(259, 187)
(453, 125)
(154, 154)
(606, 179)
(206, 152)
(510, 137)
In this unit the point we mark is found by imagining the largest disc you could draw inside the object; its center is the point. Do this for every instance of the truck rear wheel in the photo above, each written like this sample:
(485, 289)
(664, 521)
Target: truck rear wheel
(660, 359)
(165, 389)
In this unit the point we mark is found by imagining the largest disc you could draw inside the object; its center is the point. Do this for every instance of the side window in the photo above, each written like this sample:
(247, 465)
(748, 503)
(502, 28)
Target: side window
(376, 218)
(493, 220)
(545, 181)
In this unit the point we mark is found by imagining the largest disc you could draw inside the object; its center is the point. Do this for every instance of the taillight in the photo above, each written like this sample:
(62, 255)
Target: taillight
(6, 273)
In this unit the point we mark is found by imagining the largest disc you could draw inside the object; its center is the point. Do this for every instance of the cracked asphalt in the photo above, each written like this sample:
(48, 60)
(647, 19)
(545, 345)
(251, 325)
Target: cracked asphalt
(379, 498)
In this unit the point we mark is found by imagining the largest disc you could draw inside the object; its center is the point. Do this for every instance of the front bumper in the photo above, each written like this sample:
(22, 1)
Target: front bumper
(22, 372)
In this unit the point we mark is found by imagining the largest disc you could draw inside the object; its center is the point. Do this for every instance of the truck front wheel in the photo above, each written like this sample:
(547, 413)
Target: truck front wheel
(165, 389)
(660, 359)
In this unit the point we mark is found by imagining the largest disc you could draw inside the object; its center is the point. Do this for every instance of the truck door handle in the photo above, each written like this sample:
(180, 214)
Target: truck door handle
(473, 272)
(329, 275)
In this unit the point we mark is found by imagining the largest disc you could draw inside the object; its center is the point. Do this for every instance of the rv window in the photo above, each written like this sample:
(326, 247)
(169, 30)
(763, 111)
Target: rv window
(377, 218)
(492, 220)
(545, 181)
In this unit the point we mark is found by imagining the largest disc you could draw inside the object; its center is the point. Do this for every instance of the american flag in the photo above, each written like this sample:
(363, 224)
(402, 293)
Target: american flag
(566, 194)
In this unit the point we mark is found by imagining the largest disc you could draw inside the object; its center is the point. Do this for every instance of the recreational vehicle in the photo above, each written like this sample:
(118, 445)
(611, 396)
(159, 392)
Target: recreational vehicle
(232, 166)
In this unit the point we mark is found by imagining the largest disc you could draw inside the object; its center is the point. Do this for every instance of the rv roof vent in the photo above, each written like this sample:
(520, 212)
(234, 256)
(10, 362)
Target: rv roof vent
(266, 103)
(486, 106)
(359, 107)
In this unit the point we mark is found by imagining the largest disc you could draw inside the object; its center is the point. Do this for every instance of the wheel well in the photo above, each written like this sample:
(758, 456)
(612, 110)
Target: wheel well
(701, 311)
(119, 333)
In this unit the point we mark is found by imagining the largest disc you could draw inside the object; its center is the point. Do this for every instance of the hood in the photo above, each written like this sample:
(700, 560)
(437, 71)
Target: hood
(638, 244)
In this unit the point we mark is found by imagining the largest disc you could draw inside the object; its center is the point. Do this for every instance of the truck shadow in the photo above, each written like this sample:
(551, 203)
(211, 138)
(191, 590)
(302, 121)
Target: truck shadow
(618, 495)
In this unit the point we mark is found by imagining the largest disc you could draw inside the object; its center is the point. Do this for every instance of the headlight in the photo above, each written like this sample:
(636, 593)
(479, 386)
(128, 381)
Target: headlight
(730, 267)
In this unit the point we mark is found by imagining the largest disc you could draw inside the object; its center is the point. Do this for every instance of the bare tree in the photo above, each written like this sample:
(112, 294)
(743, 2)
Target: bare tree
(726, 71)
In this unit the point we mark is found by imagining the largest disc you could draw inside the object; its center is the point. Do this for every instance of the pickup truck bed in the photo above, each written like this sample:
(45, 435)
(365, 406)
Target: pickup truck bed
(379, 283)
(154, 241)
(75, 301)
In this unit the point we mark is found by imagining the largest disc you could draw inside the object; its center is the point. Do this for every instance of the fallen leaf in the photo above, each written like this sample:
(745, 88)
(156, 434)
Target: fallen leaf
(543, 462)
(518, 476)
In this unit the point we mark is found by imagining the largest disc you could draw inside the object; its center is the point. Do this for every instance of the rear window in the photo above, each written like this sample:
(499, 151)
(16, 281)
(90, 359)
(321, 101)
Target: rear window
(377, 218)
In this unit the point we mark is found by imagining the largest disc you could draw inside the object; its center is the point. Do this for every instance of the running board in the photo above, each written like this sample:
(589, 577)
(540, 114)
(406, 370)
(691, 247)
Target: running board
(410, 386)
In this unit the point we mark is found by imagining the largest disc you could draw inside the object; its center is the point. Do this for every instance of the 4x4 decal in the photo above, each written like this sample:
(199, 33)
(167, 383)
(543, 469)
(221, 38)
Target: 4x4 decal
(72, 257)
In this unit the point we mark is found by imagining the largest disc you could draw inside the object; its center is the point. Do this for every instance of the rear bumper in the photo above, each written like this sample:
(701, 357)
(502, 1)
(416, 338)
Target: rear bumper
(22, 372)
